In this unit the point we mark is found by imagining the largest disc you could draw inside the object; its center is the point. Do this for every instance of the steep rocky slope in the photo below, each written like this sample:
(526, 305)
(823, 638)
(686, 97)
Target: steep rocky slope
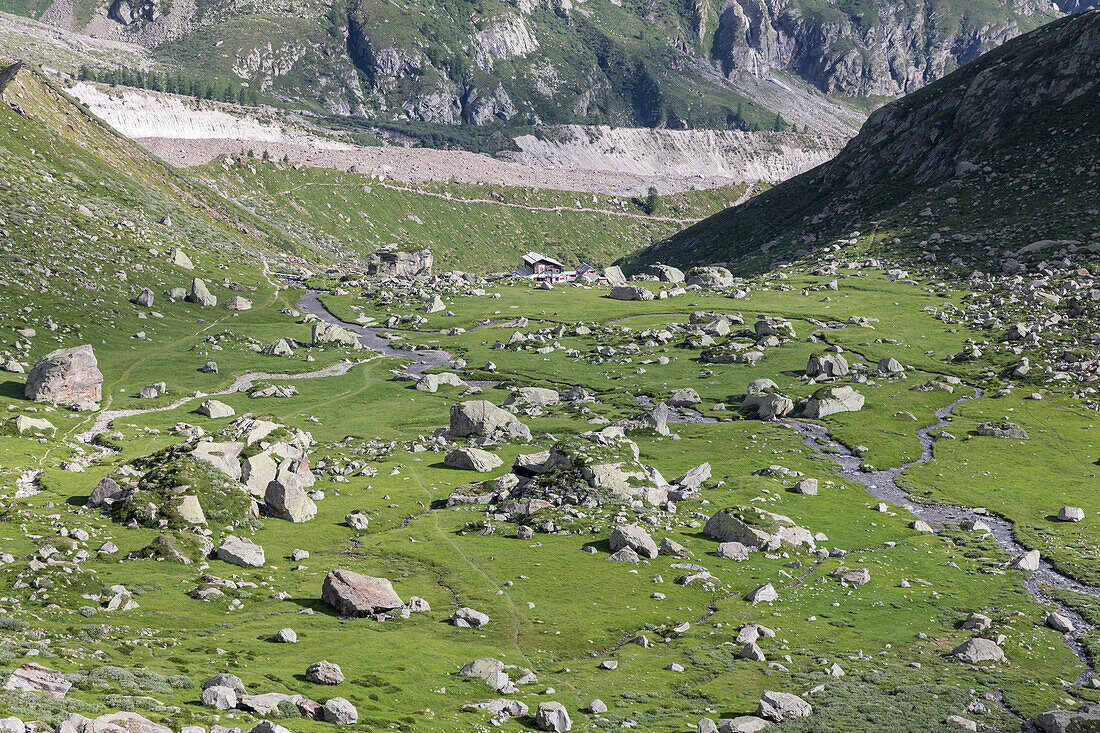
(996, 162)
(652, 63)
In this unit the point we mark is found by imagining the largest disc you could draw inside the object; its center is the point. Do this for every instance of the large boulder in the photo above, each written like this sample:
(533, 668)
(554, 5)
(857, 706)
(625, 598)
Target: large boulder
(890, 365)
(32, 677)
(330, 333)
(630, 292)
(352, 594)
(827, 365)
(491, 672)
(241, 551)
(432, 382)
(179, 258)
(614, 275)
(1069, 721)
(200, 294)
(684, 397)
(219, 697)
(339, 711)
(25, 424)
(392, 263)
(286, 499)
(656, 419)
(533, 397)
(768, 406)
(665, 273)
(279, 347)
(257, 472)
(634, 537)
(755, 527)
(215, 409)
(978, 650)
(469, 618)
(831, 400)
(485, 420)
(66, 377)
(552, 716)
(472, 459)
(710, 277)
(324, 673)
(780, 706)
(694, 478)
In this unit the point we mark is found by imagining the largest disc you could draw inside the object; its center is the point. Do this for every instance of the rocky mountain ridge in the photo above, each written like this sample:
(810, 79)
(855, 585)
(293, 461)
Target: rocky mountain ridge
(980, 159)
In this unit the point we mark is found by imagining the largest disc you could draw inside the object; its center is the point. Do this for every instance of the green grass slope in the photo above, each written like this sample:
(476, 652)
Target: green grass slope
(976, 166)
(472, 228)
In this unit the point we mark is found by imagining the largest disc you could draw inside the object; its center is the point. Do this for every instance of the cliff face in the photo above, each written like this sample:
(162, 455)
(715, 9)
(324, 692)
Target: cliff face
(972, 169)
(887, 49)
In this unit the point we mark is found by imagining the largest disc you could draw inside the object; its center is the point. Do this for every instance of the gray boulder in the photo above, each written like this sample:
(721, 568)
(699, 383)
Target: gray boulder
(768, 406)
(324, 673)
(352, 594)
(330, 333)
(533, 397)
(780, 706)
(1071, 514)
(630, 292)
(634, 537)
(831, 400)
(215, 409)
(241, 552)
(468, 618)
(665, 273)
(1070, 721)
(732, 551)
(827, 365)
(978, 650)
(710, 277)
(472, 459)
(552, 716)
(339, 711)
(483, 419)
(66, 377)
(200, 294)
(684, 397)
(179, 258)
(286, 499)
(219, 698)
(755, 527)
(614, 275)
(144, 298)
(33, 677)
(890, 365)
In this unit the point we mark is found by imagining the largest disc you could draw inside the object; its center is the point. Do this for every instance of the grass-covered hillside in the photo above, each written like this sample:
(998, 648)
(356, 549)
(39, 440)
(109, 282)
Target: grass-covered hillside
(980, 165)
(472, 228)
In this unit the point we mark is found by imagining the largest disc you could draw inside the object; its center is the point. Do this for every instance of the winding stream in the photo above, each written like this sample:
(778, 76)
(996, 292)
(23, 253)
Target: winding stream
(882, 485)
